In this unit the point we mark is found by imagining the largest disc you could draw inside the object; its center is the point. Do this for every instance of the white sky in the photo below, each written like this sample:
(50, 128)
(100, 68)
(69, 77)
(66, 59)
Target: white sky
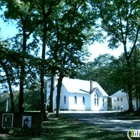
(95, 49)
(101, 48)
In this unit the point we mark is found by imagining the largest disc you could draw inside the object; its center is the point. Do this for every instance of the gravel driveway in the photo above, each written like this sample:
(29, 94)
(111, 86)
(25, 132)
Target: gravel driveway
(109, 120)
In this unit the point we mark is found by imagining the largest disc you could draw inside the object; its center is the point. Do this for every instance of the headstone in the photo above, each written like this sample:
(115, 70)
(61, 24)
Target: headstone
(7, 120)
(26, 121)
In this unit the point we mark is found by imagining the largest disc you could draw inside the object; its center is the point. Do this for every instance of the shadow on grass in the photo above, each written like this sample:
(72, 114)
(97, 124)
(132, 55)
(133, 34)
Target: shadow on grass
(68, 129)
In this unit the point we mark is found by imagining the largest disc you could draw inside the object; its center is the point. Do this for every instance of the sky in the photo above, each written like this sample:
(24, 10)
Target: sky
(97, 49)
(8, 30)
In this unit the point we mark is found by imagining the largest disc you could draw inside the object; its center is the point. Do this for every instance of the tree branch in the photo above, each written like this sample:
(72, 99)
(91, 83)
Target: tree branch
(134, 45)
(121, 24)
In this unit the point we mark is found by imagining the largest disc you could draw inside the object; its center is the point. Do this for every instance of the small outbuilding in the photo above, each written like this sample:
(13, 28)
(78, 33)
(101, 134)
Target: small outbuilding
(120, 101)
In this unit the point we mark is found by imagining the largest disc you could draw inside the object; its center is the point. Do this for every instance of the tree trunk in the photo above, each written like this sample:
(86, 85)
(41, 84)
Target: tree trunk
(130, 98)
(43, 58)
(10, 88)
(129, 86)
(137, 100)
(11, 96)
(58, 94)
(42, 94)
(51, 109)
(136, 80)
(129, 82)
(21, 108)
(22, 73)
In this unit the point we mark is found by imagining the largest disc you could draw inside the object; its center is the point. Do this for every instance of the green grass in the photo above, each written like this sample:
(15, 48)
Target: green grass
(68, 129)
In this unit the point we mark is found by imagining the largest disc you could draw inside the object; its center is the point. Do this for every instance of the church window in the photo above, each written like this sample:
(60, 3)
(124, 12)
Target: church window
(96, 99)
(75, 99)
(64, 99)
(83, 100)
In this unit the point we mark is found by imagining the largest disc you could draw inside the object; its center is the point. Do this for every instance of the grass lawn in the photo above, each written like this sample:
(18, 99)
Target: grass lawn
(68, 129)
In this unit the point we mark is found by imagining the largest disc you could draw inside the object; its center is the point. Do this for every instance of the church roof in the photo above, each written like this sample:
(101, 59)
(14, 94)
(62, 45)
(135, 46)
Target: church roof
(82, 86)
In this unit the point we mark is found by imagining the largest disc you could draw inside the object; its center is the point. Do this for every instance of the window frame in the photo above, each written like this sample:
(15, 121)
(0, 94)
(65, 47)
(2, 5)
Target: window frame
(103, 101)
(83, 99)
(75, 99)
(64, 99)
(96, 99)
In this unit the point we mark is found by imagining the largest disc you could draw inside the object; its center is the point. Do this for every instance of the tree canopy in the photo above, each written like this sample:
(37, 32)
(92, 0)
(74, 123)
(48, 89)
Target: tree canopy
(52, 39)
(58, 30)
(120, 21)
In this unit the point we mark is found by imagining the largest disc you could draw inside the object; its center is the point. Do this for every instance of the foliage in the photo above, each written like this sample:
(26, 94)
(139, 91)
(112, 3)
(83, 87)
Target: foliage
(62, 26)
(61, 30)
(120, 21)
(31, 103)
(101, 70)
(68, 37)
(111, 73)
(32, 100)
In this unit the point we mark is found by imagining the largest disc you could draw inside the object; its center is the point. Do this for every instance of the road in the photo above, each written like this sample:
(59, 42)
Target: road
(109, 120)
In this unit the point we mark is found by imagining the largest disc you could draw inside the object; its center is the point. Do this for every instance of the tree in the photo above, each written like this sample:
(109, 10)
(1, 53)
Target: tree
(136, 77)
(101, 70)
(24, 14)
(120, 20)
(62, 26)
(44, 9)
(67, 38)
(8, 66)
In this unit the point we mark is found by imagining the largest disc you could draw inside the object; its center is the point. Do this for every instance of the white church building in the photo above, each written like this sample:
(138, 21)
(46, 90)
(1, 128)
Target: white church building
(78, 95)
